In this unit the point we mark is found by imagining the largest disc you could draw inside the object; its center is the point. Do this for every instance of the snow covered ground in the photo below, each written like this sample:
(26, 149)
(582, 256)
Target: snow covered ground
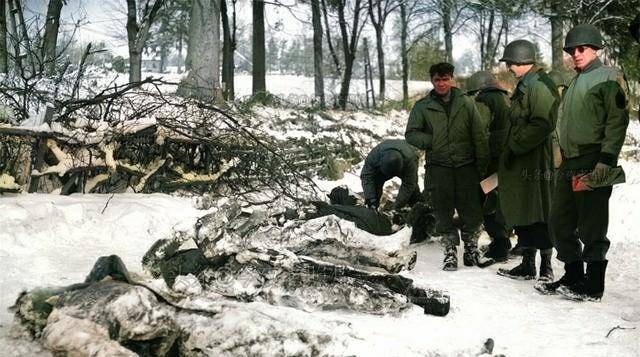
(54, 240)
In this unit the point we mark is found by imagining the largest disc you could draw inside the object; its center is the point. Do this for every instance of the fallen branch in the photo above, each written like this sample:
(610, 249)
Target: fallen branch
(619, 328)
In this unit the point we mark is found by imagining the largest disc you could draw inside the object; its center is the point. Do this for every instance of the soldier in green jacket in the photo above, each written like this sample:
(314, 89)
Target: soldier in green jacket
(389, 159)
(493, 105)
(525, 174)
(592, 124)
(447, 125)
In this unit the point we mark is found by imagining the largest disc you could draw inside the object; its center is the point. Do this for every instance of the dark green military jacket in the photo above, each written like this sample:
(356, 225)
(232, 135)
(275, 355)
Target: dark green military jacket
(593, 114)
(371, 172)
(453, 135)
(493, 106)
(526, 184)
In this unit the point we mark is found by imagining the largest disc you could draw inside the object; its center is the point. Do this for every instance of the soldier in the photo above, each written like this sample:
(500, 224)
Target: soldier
(493, 106)
(526, 165)
(561, 79)
(447, 125)
(389, 159)
(593, 119)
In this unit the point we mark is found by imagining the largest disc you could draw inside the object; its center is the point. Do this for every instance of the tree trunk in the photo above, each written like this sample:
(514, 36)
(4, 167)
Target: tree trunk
(317, 52)
(404, 55)
(258, 53)
(4, 63)
(137, 35)
(135, 56)
(203, 80)
(180, 54)
(51, 35)
(228, 48)
(15, 40)
(448, 31)
(381, 73)
(334, 55)
(24, 36)
(556, 37)
(349, 44)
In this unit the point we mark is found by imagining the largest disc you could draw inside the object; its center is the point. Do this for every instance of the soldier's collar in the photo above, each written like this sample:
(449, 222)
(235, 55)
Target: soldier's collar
(530, 75)
(596, 63)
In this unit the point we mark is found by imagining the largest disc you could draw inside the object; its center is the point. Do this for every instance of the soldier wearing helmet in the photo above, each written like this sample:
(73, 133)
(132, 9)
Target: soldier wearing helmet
(592, 123)
(526, 165)
(389, 159)
(493, 106)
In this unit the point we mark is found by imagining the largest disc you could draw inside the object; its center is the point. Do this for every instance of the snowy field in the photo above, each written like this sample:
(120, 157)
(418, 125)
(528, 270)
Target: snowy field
(49, 240)
(54, 240)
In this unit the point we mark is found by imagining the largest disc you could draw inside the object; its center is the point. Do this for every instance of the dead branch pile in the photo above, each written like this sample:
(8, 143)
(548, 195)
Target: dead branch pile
(143, 141)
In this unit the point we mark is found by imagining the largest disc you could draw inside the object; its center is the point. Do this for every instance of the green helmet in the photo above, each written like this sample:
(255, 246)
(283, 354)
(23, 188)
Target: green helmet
(583, 35)
(481, 80)
(560, 77)
(519, 52)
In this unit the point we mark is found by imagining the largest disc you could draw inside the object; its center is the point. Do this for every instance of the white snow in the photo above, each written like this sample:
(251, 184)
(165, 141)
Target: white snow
(54, 240)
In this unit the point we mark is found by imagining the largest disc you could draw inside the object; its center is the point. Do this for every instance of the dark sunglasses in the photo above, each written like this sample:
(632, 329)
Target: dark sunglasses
(579, 49)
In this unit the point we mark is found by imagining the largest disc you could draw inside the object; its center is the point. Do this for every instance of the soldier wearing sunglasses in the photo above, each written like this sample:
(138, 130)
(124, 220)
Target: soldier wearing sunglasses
(592, 123)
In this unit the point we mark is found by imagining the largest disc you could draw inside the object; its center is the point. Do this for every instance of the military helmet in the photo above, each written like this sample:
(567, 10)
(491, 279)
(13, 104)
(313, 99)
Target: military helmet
(519, 52)
(560, 77)
(583, 35)
(481, 80)
(391, 163)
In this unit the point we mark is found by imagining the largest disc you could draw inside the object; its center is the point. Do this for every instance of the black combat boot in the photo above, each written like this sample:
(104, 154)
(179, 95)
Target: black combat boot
(450, 258)
(471, 256)
(573, 273)
(526, 270)
(499, 249)
(546, 271)
(591, 287)
(517, 250)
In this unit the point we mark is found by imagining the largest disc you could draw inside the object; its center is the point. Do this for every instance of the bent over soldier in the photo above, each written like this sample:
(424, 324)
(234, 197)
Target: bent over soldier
(389, 159)
(446, 124)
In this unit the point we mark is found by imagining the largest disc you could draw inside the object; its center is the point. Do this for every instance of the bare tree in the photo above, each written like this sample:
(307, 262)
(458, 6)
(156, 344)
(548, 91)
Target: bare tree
(349, 36)
(556, 34)
(203, 80)
(138, 33)
(379, 10)
(258, 53)
(51, 35)
(317, 52)
(228, 48)
(4, 62)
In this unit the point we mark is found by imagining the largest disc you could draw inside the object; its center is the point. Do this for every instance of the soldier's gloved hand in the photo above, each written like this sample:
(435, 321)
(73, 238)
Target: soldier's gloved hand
(507, 158)
(600, 172)
(372, 204)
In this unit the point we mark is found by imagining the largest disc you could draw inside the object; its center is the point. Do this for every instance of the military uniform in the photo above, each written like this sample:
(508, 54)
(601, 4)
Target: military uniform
(592, 123)
(525, 172)
(493, 106)
(591, 129)
(455, 139)
(373, 177)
